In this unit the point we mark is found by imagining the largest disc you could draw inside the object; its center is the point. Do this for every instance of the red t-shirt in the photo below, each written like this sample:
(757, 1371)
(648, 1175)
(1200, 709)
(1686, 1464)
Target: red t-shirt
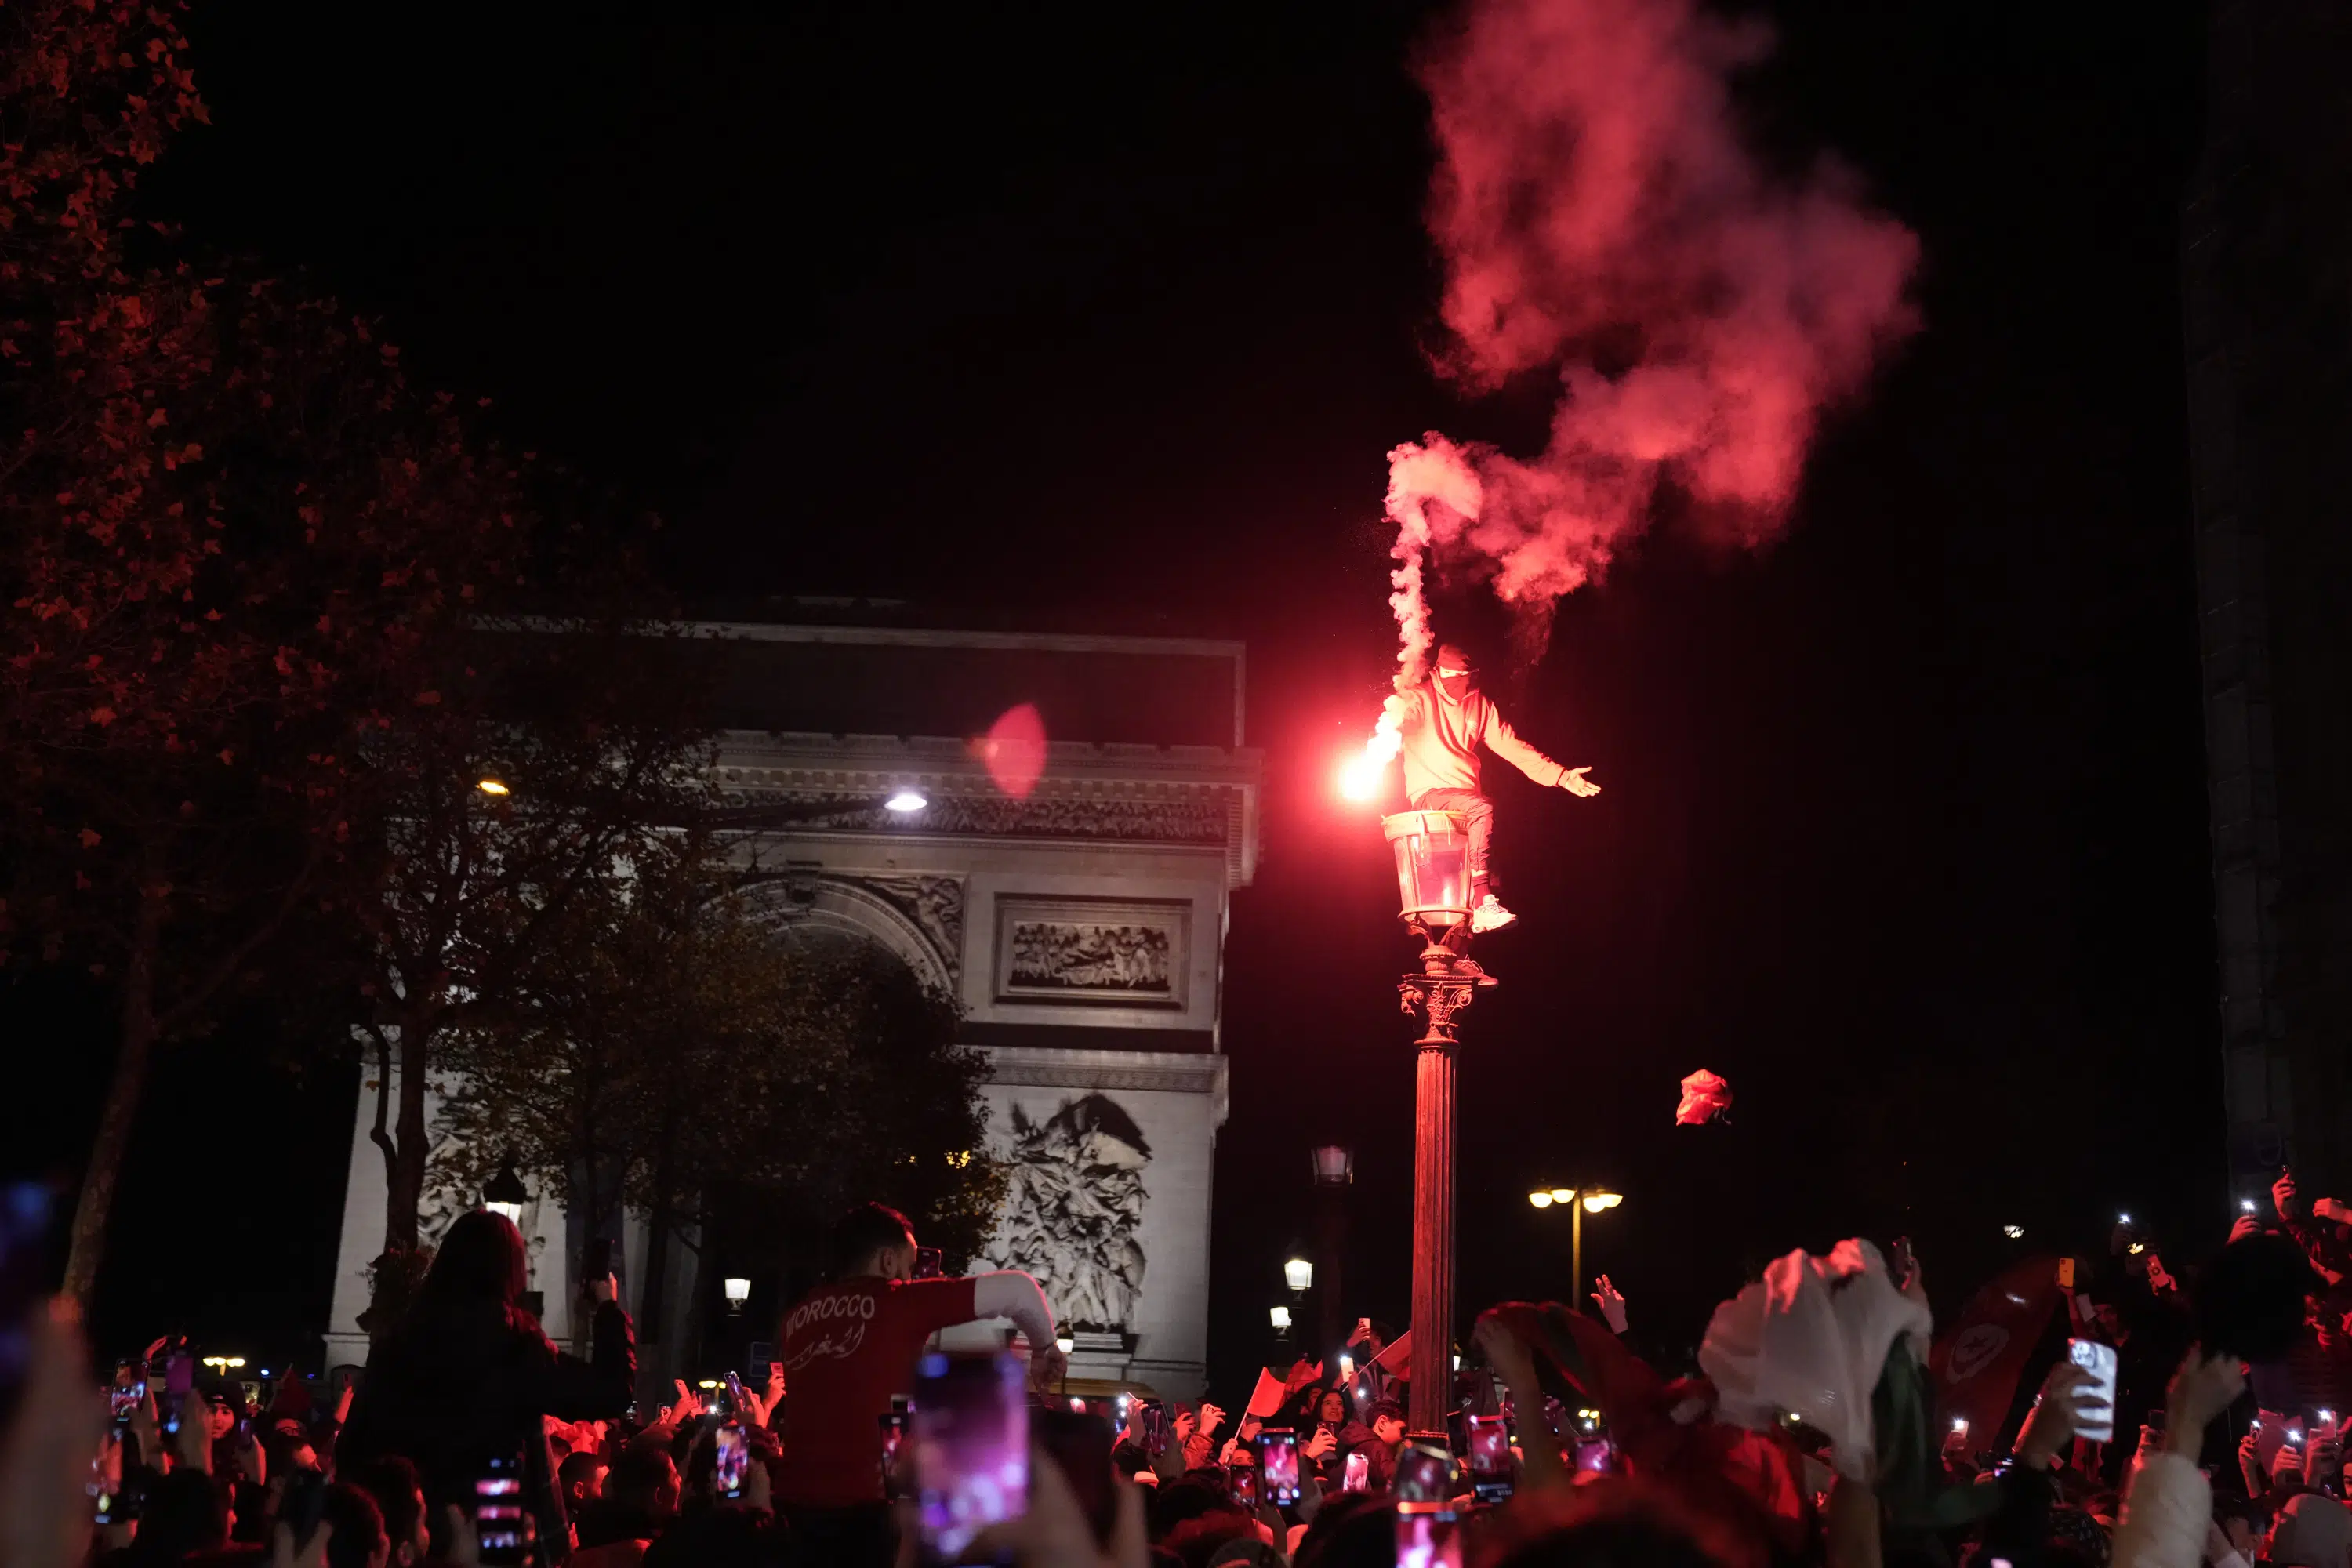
(846, 1348)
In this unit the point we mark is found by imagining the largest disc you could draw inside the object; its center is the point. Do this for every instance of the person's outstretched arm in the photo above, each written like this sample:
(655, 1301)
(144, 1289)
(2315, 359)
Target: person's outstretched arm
(601, 1387)
(1505, 742)
(2168, 1501)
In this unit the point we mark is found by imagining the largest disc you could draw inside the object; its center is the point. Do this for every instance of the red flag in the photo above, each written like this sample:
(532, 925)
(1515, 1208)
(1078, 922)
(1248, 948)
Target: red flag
(1396, 1359)
(1977, 1363)
(1266, 1398)
(1706, 1096)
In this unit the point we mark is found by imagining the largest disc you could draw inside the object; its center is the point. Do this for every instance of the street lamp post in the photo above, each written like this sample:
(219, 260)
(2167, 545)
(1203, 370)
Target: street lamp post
(1432, 863)
(1592, 1200)
(1335, 1168)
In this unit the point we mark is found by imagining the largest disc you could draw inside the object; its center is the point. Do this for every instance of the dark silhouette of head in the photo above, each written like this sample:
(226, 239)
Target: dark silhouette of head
(481, 1260)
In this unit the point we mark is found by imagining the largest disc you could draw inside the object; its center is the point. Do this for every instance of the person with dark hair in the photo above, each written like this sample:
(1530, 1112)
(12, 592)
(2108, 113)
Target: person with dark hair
(850, 1345)
(641, 1496)
(358, 1540)
(466, 1376)
(581, 1476)
(399, 1494)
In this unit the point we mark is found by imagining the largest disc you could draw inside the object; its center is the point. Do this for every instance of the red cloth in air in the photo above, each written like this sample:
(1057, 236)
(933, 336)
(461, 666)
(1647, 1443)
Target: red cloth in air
(846, 1348)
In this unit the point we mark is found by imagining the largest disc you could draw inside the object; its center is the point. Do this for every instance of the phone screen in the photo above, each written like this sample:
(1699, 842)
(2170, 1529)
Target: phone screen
(1426, 1536)
(179, 1381)
(1489, 1458)
(1358, 1475)
(734, 1394)
(124, 1398)
(1596, 1455)
(1277, 1465)
(733, 1455)
(971, 1428)
(894, 1443)
(2095, 1410)
(929, 1262)
(498, 1527)
(1424, 1473)
(1241, 1485)
(1155, 1427)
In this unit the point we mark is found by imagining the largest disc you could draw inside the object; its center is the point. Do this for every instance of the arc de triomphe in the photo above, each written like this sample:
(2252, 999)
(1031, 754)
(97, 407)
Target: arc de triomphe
(1082, 927)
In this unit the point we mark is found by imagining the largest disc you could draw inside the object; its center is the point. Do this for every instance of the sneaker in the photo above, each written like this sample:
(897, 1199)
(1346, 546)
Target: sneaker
(1490, 915)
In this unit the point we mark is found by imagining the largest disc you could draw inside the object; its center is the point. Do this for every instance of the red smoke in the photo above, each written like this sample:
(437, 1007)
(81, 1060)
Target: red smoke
(1599, 219)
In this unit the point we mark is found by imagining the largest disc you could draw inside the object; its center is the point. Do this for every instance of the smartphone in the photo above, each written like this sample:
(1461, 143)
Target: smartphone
(1081, 1444)
(1457, 1432)
(2294, 1434)
(1427, 1536)
(894, 1445)
(1277, 1465)
(1424, 1473)
(929, 1262)
(498, 1513)
(1488, 1459)
(1241, 1485)
(107, 1503)
(1356, 1474)
(124, 1398)
(2094, 1416)
(2325, 1429)
(1156, 1431)
(24, 1280)
(1596, 1455)
(734, 1454)
(970, 1430)
(734, 1394)
(179, 1381)
(1899, 1262)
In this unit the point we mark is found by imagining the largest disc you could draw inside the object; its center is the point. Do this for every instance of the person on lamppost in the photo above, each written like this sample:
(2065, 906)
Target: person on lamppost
(1441, 720)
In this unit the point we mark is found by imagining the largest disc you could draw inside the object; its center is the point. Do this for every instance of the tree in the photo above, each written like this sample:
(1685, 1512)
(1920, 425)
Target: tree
(232, 541)
(683, 1060)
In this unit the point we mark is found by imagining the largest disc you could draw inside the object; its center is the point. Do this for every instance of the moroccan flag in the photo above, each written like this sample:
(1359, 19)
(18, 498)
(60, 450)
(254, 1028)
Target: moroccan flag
(1975, 1364)
(1397, 1358)
(1266, 1398)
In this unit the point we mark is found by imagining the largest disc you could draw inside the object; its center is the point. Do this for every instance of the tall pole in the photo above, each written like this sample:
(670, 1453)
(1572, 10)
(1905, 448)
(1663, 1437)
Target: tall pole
(1433, 1236)
(1576, 1253)
(1447, 980)
(1330, 1277)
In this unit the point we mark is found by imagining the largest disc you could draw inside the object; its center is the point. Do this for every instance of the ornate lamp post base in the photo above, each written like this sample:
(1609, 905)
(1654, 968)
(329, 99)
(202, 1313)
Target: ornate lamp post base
(1448, 981)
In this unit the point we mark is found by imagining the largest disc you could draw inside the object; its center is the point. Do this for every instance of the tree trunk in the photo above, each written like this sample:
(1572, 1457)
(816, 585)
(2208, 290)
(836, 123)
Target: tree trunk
(122, 1096)
(404, 1153)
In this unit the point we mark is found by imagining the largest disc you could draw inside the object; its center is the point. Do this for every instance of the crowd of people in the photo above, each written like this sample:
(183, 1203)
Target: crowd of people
(2187, 1417)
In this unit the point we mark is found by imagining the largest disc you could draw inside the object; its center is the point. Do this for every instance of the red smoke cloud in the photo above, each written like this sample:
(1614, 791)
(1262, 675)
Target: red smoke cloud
(1600, 218)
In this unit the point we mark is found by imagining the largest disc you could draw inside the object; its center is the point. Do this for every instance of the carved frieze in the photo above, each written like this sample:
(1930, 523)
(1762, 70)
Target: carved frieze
(1124, 952)
(1198, 816)
(934, 903)
(1075, 1208)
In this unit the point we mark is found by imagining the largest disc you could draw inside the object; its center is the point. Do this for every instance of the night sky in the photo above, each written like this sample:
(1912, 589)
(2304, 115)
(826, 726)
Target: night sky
(1098, 318)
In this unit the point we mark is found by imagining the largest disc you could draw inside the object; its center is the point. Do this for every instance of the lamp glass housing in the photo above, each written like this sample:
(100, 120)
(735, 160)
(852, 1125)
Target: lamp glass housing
(1599, 1199)
(1433, 865)
(1334, 1165)
(1279, 1316)
(738, 1289)
(1299, 1274)
(512, 1212)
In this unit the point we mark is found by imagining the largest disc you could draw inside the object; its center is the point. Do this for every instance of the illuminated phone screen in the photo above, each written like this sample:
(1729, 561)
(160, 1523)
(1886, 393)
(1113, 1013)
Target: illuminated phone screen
(970, 1430)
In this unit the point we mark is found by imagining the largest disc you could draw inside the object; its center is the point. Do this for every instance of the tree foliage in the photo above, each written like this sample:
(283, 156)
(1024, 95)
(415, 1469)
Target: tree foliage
(760, 1088)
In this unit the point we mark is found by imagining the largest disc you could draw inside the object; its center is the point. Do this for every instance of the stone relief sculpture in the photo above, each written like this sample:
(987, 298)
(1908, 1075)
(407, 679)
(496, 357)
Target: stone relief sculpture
(1091, 957)
(936, 906)
(1075, 1206)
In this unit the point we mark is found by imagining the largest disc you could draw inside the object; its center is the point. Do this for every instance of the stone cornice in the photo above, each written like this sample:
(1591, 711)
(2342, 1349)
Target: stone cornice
(1048, 1066)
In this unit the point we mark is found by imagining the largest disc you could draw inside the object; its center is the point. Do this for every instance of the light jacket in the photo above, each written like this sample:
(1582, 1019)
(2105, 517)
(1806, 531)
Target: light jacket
(1440, 741)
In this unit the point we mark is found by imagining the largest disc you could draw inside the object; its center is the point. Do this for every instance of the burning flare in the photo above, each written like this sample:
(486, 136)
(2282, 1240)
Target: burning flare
(1600, 222)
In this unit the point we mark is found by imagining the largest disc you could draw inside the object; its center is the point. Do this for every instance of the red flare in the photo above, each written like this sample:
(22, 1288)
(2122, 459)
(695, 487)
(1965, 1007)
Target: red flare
(1013, 750)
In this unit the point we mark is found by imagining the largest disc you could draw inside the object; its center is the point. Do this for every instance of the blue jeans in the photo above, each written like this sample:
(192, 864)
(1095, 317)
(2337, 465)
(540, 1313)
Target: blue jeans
(1479, 812)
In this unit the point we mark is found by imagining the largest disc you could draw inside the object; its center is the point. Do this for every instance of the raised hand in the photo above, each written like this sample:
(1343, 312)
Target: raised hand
(775, 1386)
(1047, 1368)
(1611, 1304)
(2283, 1194)
(1321, 1447)
(689, 1403)
(1575, 782)
(2248, 1225)
(1211, 1418)
(2201, 1390)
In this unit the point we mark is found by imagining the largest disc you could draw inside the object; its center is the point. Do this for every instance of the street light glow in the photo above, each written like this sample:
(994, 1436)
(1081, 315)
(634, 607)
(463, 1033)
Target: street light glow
(905, 802)
(738, 1289)
(492, 787)
(2014, 1232)
(1279, 1316)
(1299, 1274)
(1541, 1200)
(1602, 1198)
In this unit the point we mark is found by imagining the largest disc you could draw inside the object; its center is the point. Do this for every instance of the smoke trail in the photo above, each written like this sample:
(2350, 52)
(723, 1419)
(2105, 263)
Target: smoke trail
(1598, 218)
